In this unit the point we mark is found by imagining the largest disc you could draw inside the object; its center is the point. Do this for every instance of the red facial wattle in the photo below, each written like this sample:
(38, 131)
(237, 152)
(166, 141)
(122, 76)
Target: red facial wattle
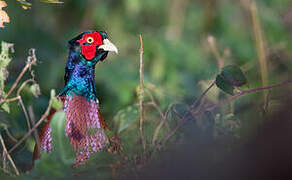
(88, 48)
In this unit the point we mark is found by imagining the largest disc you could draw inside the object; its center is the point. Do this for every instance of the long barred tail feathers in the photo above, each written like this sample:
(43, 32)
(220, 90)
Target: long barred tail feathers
(44, 137)
(85, 129)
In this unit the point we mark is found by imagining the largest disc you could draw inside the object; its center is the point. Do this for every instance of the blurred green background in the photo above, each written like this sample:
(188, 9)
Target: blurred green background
(179, 63)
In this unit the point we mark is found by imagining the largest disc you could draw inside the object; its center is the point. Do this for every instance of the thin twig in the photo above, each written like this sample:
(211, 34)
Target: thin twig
(266, 105)
(32, 119)
(30, 61)
(212, 107)
(153, 103)
(21, 101)
(258, 34)
(12, 99)
(4, 162)
(198, 101)
(23, 85)
(227, 100)
(8, 155)
(33, 128)
(10, 135)
(219, 59)
(172, 132)
(164, 120)
(25, 113)
(220, 63)
(141, 93)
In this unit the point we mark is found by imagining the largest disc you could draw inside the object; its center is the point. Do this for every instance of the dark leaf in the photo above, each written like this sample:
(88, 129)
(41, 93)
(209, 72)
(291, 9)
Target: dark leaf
(224, 85)
(233, 75)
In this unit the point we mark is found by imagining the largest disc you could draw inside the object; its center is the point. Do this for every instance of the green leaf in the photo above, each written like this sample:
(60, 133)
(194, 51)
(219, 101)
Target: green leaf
(52, 1)
(60, 160)
(35, 90)
(231, 76)
(53, 93)
(126, 117)
(60, 141)
(224, 85)
(234, 75)
(56, 103)
(24, 4)
(5, 107)
(5, 59)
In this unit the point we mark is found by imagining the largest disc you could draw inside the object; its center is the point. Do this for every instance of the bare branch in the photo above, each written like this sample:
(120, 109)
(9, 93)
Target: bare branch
(259, 42)
(227, 100)
(10, 135)
(212, 107)
(12, 99)
(23, 85)
(25, 112)
(8, 155)
(153, 103)
(32, 119)
(141, 93)
(198, 101)
(31, 60)
(33, 128)
(164, 120)
(21, 101)
(219, 59)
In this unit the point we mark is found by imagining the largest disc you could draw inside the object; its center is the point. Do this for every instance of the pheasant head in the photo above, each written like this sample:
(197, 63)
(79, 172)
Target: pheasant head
(86, 49)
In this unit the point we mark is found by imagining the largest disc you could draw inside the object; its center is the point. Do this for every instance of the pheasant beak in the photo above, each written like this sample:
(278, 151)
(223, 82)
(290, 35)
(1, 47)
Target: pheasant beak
(108, 46)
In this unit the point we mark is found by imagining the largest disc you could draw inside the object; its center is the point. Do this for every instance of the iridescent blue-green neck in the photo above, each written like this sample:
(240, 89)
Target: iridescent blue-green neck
(79, 76)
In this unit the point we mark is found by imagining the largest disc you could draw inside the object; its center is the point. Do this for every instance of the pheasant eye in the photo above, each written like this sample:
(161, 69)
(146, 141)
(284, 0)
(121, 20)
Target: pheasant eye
(90, 40)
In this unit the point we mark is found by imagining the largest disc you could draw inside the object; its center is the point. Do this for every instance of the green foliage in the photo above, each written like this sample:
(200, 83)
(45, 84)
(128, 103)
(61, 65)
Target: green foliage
(224, 85)
(5, 59)
(126, 117)
(27, 5)
(62, 157)
(24, 4)
(178, 66)
(227, 125)
(56, 103)
(5, 107)
(231, 76)
(52, 1)
(35, 90)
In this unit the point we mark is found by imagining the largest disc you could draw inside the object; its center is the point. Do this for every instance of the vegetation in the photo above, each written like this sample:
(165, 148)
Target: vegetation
(204, 71)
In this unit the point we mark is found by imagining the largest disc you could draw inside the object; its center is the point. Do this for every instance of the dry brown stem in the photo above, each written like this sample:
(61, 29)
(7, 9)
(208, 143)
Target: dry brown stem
(33, 128)
(5, 153)
(141, 93)
(31, 60)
